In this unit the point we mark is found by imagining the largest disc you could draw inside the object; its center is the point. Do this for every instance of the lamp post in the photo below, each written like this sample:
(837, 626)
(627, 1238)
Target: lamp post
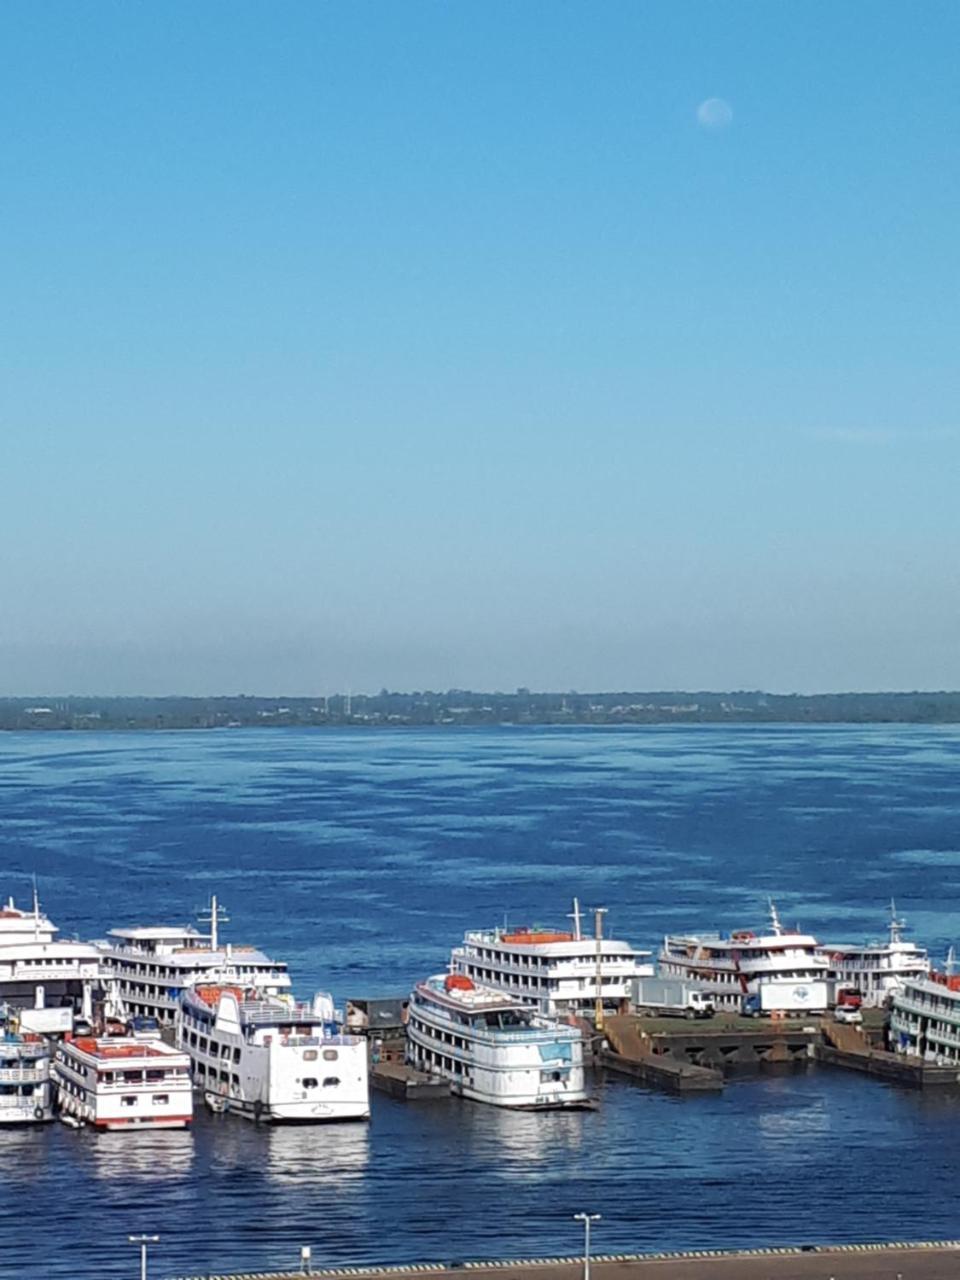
(586, 1219)
(143, 1241)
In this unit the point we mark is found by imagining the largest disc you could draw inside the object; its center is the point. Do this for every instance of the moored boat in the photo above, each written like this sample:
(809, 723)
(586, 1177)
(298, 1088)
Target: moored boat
(26, 1094)
(735, 965)
(267, 1058)
(877, 970)
(492, 1048)
(121, 1083)
(555, 971)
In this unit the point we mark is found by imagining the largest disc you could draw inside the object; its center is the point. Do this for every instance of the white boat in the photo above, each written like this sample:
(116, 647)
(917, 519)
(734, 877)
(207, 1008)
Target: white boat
(26, 1094)
(45, 979)
(925, 1017)
(554, 971)
(267, 1058)
(730, 967)
(152, 965)
(877, 969)
(123, 1084)
(493, 1048)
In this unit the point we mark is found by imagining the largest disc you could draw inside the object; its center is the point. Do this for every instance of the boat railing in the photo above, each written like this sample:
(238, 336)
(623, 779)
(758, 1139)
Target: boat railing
(23, 1075)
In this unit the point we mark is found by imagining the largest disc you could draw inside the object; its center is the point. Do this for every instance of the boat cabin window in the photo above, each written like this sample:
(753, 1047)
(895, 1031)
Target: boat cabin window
(508, 1020)
(161, 1099)
(309, 1083)
(330, 1055)
(129, 1100)
(331, 1082)
(310, 1055)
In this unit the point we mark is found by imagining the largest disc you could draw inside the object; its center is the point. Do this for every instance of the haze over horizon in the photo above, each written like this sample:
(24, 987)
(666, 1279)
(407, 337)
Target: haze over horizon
(479, 347)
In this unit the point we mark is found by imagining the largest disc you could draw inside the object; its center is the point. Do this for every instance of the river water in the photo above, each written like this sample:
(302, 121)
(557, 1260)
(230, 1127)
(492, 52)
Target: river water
(361, 857)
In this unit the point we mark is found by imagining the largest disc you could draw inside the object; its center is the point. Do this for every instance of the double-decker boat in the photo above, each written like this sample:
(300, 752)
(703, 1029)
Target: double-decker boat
(267, 1058)
(25, 1090)
(121, 1083)
(47, 980)
(877, 969)
(151, 966)
(732, 966)
(493, 1048)
(554, 971)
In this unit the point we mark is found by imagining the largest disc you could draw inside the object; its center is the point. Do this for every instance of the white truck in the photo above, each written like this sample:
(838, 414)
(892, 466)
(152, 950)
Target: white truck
(671, 997)
(786, 998)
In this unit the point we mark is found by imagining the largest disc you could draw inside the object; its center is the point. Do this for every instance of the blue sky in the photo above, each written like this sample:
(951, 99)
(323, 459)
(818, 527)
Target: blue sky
(440, 344)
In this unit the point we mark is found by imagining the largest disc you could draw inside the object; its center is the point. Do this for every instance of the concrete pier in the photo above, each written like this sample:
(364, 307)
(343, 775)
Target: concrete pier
(928, 1260)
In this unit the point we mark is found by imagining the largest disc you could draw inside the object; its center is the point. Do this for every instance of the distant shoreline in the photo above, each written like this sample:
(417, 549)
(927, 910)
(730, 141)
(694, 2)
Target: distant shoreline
(457, 708)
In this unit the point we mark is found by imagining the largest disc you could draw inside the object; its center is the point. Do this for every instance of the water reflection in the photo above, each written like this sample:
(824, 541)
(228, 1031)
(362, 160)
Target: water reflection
(319, 1154)
(152, 1157)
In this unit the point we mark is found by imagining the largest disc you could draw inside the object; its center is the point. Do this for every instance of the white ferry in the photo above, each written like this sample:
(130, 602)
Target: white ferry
(266, 1058)
(151, 966)
(46, 980)
(121, 1083)
(877, 969)
(554, 971)
(26, 1094)
(493, 1048)
(925, 1017)
(732, 967)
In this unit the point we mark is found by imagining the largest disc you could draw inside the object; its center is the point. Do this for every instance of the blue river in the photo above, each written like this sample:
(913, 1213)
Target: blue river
(361, 857)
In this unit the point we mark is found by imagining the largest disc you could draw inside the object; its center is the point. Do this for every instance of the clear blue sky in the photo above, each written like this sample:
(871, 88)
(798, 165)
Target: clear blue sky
(439, 343)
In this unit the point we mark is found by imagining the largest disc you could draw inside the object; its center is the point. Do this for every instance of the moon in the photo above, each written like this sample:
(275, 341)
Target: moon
(714, 114)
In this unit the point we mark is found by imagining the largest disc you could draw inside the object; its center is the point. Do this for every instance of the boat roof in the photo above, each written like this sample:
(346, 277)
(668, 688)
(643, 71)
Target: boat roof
(477, 999)
(157, 932)
(122, 1048)
(551, 942)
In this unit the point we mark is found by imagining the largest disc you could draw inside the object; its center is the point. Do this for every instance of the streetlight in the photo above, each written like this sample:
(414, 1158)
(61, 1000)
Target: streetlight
(586, 1219)
(143, 1241)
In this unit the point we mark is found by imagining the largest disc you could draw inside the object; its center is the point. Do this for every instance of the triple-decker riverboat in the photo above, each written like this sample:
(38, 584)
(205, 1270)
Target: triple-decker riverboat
(555, 971)
(151, 966)
(877, 969)
(732, 966)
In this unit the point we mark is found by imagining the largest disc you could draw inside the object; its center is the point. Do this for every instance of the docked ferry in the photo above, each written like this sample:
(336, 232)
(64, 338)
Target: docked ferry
(732, 966)
(925, 1017)
(122, 1083)
(493, 1048)
(877, 969)
(152, 965)
(555, 971)
(46, 980)
(266, 1058)
(26, 1094)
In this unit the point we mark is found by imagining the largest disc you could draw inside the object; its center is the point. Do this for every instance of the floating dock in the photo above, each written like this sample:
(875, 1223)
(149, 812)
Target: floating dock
(691, 1056)
(406, 1083)
(846, 1046)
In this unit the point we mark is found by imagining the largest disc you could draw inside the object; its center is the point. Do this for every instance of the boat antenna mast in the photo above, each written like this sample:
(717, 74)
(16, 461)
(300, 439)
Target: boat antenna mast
(215, 917)
(574, 915)
(775, 918)
(36, 911)
(896, 926)
(598, 914)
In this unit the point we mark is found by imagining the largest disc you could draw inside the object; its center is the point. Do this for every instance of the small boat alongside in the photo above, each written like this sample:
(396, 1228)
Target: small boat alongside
(26, 1093)
(493, 1048)
(121, 1083)
(267, 1058)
